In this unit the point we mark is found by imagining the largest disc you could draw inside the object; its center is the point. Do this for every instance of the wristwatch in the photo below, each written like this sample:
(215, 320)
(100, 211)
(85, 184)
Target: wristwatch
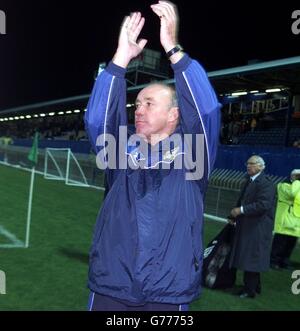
(174, 50)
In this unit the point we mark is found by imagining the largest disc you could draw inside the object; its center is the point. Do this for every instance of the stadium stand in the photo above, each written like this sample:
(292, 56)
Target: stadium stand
(244, 92)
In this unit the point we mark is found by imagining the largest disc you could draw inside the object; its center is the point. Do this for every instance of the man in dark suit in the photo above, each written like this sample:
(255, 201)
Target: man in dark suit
(254, 220)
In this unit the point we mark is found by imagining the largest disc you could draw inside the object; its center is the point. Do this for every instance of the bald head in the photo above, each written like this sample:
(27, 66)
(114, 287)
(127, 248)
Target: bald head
(170, 89)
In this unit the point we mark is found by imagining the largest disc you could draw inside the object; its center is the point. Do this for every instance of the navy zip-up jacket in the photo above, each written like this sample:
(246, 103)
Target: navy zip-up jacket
(147, 244)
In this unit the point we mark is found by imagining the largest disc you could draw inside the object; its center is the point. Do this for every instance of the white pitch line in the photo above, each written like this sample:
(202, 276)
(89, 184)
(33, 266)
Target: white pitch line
(11, 246)
(16, 242)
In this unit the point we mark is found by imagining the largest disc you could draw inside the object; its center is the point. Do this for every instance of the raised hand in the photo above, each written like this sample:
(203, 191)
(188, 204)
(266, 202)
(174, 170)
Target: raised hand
(129, 46)
(169, 20)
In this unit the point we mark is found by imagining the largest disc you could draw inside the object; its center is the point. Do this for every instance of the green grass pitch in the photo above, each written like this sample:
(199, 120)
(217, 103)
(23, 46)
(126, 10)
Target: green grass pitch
(52, 273)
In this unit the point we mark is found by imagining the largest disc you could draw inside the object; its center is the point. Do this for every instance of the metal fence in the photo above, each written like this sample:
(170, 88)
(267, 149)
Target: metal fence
(223, 191)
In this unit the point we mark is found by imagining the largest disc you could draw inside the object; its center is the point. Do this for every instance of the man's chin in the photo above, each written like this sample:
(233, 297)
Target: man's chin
(141, 134)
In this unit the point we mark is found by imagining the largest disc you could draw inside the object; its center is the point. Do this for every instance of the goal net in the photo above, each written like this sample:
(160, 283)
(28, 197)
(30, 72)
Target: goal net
(61, 164)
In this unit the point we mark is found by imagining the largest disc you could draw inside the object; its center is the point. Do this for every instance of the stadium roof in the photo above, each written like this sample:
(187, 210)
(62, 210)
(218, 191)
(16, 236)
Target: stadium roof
(284, 74)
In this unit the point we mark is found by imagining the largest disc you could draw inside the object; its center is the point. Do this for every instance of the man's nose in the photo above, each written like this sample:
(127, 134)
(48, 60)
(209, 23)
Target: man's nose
(140, 109)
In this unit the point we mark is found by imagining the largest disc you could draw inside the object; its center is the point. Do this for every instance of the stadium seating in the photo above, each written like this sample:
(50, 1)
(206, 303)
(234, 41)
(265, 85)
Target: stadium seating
(272, 136)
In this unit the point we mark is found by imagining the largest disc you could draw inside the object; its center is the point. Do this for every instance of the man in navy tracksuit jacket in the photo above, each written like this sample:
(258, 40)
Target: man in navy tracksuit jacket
(147, 246)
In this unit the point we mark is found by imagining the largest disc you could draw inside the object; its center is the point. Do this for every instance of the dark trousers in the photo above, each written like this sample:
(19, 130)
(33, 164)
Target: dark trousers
(98, 302)
(282, 248)
(252, 283)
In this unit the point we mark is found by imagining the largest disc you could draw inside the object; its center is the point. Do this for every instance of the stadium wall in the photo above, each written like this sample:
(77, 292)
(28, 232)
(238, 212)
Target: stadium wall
(279, 160)
(82, 147)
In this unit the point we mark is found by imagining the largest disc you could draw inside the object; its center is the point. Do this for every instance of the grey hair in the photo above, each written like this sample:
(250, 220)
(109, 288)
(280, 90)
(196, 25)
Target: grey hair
(260, 161)
(174, 100)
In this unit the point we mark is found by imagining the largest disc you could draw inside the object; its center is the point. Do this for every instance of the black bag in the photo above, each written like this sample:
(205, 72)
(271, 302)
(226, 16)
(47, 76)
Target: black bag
(216, 272)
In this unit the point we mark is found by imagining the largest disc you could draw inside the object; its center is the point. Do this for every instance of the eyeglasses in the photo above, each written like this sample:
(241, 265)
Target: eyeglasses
(250, 163)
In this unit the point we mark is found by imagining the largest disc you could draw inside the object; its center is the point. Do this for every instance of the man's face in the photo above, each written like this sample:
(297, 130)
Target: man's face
(253, 167)
(152, 110)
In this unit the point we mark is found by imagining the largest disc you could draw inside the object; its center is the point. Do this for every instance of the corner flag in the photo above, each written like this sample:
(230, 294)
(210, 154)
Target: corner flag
(33, 157)
(33, 154)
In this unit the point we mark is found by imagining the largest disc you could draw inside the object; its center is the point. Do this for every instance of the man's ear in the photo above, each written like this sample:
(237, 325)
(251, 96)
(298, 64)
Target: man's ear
(173, 114)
